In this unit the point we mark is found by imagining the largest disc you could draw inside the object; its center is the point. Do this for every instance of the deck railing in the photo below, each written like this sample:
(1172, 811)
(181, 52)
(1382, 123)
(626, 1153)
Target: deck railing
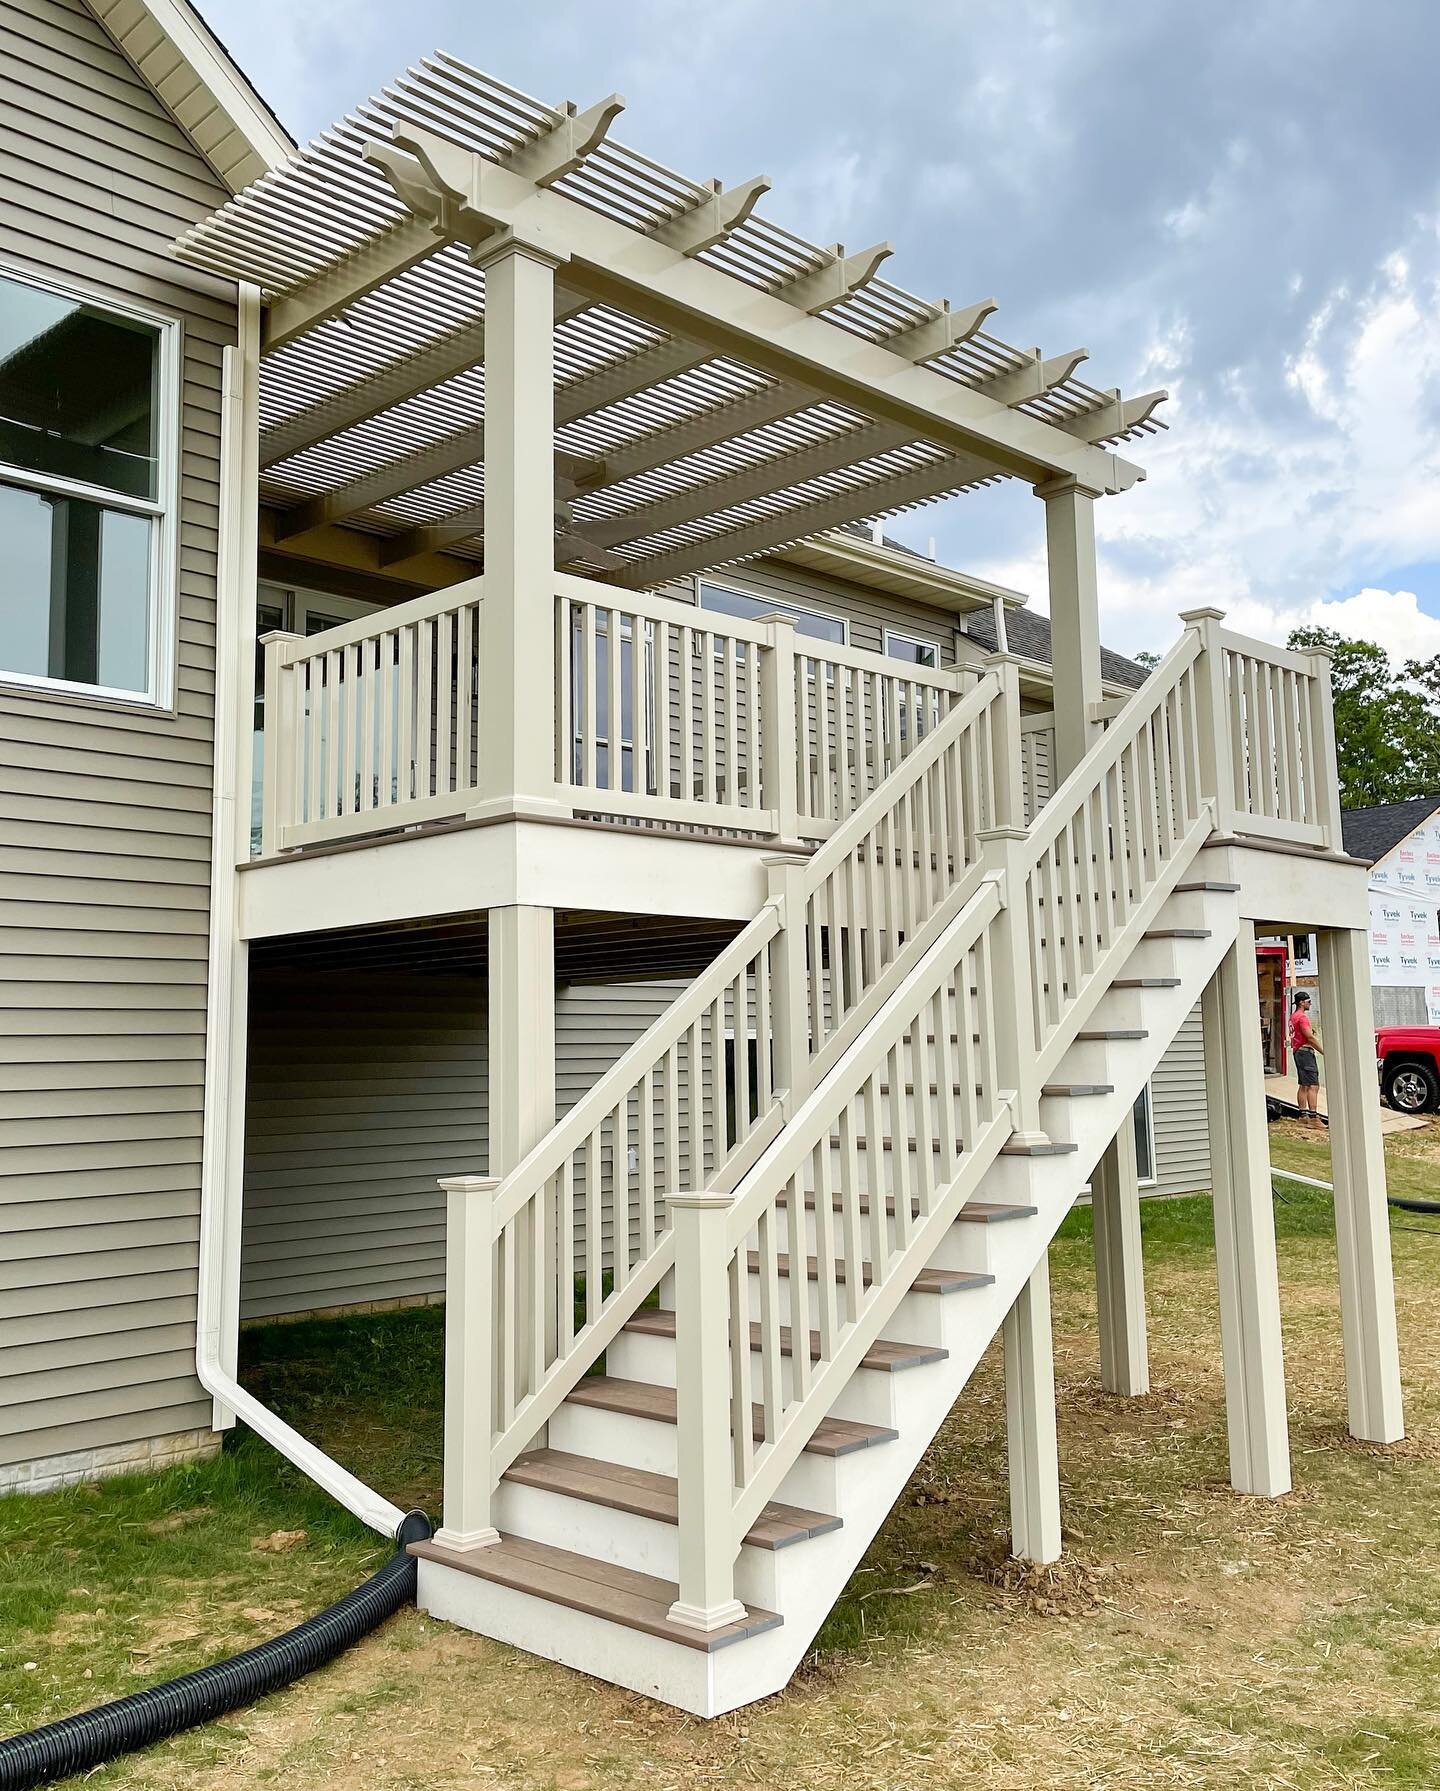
(693, 1103)
(372, 725)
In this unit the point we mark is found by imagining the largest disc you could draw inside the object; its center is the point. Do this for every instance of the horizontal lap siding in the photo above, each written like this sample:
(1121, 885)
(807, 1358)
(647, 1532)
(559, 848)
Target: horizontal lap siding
(105, 821)
(1177, 1099)
(360, 1099)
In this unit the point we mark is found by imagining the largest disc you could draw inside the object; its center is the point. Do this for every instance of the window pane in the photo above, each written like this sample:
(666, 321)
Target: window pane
(750, 609)
(75, 603)
(77, 391)
(913, 652)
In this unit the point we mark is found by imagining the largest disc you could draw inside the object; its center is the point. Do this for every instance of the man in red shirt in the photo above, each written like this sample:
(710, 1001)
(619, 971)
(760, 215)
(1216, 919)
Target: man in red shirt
(1304, 1044)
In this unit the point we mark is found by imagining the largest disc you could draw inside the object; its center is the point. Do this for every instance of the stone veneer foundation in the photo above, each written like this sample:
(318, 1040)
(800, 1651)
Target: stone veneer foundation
(147, 1457)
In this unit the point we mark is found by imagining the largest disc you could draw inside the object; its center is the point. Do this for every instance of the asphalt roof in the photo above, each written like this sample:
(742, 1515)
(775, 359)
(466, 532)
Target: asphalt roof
(1370, 833)
(1027, 633)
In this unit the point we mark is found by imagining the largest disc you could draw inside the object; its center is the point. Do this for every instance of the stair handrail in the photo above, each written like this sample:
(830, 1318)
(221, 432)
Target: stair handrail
(521, 1386)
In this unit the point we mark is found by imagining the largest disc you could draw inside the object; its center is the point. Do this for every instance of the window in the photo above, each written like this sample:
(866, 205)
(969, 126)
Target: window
(628, 697)
(912, 650)
(750, 609)
(87, 457)
(1144, 1139)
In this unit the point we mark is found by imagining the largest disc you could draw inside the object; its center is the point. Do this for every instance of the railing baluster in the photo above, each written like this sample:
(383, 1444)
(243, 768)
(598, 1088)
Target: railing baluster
(615, 702)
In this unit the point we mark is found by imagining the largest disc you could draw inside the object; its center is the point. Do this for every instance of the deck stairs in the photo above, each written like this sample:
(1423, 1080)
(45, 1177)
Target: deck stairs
(671, 1492)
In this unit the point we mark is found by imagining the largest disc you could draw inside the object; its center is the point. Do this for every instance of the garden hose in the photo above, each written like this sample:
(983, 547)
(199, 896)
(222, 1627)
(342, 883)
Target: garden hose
(78, 1743)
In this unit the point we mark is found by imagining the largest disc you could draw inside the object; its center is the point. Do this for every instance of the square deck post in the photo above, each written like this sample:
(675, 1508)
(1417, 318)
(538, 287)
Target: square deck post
(1030, 1422)
(1245, 1226)
(1074, 618)
(1362, 1226)
(517, 675)
(1119, 1267)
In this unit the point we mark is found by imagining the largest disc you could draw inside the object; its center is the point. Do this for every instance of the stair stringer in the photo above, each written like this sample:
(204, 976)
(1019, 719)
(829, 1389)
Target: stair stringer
(801, 1583)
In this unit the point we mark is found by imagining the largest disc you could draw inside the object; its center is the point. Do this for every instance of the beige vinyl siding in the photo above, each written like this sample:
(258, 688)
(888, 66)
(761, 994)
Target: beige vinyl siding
(1177, 1102)
(105, 820)
(360, 1102)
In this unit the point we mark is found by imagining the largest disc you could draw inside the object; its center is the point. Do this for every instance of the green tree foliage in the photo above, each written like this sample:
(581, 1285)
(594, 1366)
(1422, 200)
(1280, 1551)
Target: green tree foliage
(1387, 723)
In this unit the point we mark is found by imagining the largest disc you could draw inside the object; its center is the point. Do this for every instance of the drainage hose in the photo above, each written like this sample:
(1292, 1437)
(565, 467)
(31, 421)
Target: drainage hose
(77, 1743)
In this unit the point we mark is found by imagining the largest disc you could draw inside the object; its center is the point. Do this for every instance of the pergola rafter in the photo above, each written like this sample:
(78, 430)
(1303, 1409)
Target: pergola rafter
(720, 384)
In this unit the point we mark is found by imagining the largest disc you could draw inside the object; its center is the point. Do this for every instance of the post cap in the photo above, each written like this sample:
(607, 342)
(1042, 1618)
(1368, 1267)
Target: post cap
(702, 1200)
(1206, 614)
(469, 1184)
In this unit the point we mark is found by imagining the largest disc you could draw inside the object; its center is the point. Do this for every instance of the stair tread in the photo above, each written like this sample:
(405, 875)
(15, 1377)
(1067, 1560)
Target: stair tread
(1050, 1147)
(1178, 933)
(1110, 1034)
(936, 1281)
(1206, 888)
(1068, 1090)
(883, 1355)
(1146, 982)
(645, 1494)
(642, 1399)
(974, 1212)
(598, 1588)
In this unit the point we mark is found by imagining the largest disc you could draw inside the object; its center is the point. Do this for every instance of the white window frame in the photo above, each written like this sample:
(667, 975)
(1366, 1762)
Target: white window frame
(162, 510)
(1150, 1180)
(912, 640)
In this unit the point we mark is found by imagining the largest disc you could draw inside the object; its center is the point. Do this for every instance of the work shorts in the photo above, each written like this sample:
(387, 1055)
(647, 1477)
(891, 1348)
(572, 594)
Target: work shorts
(1306, 1069)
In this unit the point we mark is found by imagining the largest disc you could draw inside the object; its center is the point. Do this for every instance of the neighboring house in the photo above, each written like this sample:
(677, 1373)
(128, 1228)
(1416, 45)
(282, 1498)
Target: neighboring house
(1400, 841)
(481, 819)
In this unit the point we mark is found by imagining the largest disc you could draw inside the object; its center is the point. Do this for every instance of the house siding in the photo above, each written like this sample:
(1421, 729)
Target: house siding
(105, 821)
(1177, 1105)
(359, 1104)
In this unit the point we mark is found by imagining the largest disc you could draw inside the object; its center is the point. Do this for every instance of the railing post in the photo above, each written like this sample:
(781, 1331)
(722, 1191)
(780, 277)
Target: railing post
(469, 1360)
(1217, 760)
(1007, 771)
(789, 983)
(1004, 855)
(704, 1460)
(281, 718)
(778, 738)
(1326, 770)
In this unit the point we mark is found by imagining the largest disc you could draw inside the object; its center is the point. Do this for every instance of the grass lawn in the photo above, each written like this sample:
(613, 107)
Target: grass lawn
(1189, 1638)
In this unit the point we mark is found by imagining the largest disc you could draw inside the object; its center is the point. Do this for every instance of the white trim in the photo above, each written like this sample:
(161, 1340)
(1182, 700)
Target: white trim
(163, 510)
(912, 640)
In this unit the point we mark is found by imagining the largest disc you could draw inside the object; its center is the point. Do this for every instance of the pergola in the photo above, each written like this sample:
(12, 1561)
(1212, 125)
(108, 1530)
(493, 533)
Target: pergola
(721, 388)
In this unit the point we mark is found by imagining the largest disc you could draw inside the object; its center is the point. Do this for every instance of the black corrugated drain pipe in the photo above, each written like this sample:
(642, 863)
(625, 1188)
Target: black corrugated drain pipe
(77, 1743)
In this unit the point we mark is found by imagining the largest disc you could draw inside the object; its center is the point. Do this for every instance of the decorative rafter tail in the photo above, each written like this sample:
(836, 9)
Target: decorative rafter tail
(713, 218)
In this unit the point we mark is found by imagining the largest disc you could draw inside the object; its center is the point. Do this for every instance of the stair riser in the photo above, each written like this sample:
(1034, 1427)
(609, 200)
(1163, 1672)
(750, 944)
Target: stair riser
(1099, 1060)
(964, 1246)
(763, 1577)
(867, 1399)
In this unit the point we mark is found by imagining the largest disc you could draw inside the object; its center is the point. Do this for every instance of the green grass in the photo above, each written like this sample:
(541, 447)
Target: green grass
(1238, 1641)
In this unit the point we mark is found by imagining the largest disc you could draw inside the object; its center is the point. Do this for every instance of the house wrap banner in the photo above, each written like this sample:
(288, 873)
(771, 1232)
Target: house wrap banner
(1405, 916)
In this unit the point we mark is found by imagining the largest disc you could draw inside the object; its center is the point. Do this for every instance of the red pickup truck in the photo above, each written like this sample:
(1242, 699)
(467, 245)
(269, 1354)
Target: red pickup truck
(1408, 1059)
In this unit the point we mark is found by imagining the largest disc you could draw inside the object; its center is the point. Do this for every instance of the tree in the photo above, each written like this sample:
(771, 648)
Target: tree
(1387, 723)
(1147, 659)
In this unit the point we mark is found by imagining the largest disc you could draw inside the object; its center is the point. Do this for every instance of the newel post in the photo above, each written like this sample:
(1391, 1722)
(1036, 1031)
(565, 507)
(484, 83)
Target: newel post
(1326, 769)
(789, 982)
(1004, 852)
(1213, 722)
(282, 718)
(469, 1360)
(704, 1458)
(778, 736)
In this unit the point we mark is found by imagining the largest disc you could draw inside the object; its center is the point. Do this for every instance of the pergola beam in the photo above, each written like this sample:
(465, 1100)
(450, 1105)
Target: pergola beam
(778, 473)
(785, 527)
(939, 333)
(1115, 416)
(689, 298)
(540, 161)
(708, 223)
(1037, 377)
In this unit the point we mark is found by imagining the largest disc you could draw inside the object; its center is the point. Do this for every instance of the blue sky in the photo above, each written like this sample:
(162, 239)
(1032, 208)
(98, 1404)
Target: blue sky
(1239, 203)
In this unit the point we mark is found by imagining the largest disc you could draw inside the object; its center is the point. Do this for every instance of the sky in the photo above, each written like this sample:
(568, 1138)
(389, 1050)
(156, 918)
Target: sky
(1238, 202)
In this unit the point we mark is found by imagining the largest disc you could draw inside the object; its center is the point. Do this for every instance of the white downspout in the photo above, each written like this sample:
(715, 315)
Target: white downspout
(217, 1314)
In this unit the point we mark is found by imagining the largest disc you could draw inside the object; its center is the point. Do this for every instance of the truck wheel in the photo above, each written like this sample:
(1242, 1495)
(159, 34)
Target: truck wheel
(1412, 1088)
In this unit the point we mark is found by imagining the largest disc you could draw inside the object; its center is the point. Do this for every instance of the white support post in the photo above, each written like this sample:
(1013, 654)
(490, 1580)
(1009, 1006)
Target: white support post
(1362, 1227)
(1003, 853)
(789, 983)
(521, 1032)
(778, 773)
(1119, 1267)
(704, 1458)
(1216, 738)
(469, 1360)
(1325, 770)
(1074, 618)
(1030, 1422)
(1245, 1226)
(282, 717)
(516, 773)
